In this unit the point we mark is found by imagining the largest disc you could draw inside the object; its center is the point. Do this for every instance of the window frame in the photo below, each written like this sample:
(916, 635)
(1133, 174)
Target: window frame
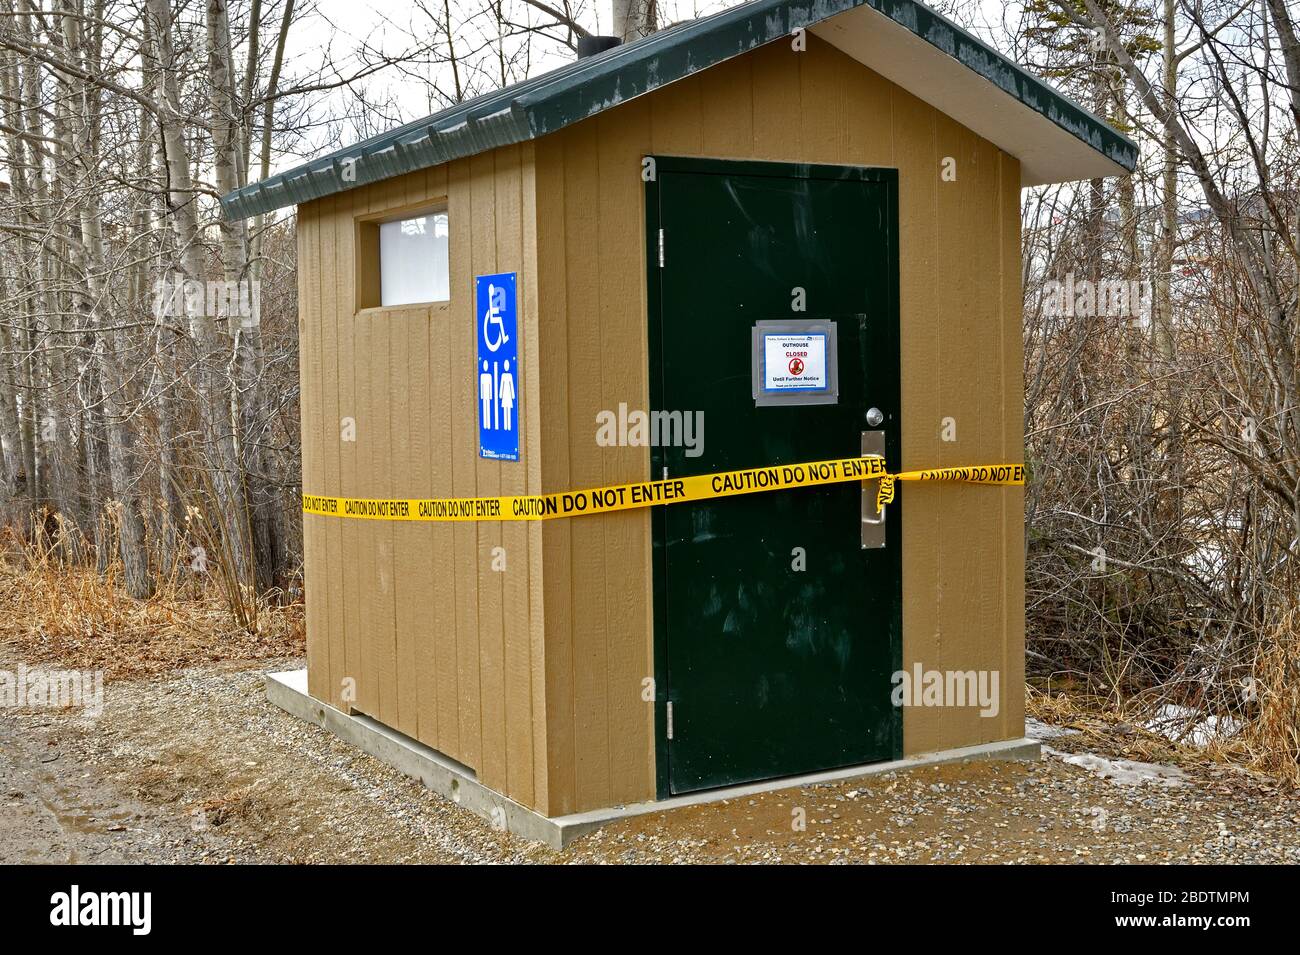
(368, 289)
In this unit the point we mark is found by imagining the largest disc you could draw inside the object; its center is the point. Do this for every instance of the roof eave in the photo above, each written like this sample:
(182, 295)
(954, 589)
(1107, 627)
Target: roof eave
(1055, 139)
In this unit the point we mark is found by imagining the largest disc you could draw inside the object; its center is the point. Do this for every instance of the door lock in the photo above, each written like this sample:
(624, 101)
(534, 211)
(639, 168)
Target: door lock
(875, 416)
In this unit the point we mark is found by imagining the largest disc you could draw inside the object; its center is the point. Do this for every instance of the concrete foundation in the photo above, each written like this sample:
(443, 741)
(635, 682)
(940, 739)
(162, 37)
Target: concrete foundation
(288, 690)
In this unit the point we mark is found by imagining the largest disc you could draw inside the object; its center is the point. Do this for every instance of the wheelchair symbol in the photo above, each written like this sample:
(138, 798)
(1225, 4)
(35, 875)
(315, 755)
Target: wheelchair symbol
(496, 301)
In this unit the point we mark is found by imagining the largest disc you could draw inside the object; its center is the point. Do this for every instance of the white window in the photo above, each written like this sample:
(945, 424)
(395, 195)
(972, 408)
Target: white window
(413, 260)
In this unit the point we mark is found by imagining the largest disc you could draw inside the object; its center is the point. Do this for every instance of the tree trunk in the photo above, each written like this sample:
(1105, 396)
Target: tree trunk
(12, 492)
(246, 395)
(634, 19)
(210, 358)
(86, 257)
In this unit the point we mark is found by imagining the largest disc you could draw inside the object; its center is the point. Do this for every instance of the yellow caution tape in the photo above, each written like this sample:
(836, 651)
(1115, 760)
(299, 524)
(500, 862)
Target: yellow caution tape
(622, 497)
(885, 492)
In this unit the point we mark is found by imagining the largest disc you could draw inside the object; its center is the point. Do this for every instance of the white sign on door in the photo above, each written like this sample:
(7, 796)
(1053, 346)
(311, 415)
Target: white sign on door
(795, 362)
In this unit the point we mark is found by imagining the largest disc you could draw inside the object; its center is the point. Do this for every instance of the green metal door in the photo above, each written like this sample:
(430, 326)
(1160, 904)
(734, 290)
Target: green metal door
(776, 631)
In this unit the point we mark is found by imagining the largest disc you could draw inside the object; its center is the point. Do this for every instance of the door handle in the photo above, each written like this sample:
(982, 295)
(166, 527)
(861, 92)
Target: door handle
(873, 518)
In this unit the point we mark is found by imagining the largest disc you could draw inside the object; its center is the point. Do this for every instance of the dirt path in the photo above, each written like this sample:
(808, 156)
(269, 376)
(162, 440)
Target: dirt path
(198, 767)
(53, 809)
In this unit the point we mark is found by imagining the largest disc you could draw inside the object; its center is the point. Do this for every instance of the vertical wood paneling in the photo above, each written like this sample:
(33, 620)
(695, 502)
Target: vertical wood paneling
(329, 438)
(533, 676)
(316, 572)
(776, 103)
(408, 377)
(418, 586)
(383, 623)
(726, 110)
(492, 764)
(868, 114)
(820, 106)
(417, 611)
(442, 467)
(350, 484)
(373, 444)
(916, 154)
(441, 729)
(1012, 450)
(517, 689)
(956, 239)
(969, 388)
(624, 380)
(410, 592)
(986, 380)
(368, 451)
(676, 122)
(532, 430)
(464, 416)
(586, 469)
(552, 375)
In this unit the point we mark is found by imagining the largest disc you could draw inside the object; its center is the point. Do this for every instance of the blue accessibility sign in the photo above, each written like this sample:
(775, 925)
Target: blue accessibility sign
(496, 368)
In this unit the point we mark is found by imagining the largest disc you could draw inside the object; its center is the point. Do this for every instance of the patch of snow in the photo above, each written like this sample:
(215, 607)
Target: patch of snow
(1124, 772)
(1037, 729)
(1182, 724)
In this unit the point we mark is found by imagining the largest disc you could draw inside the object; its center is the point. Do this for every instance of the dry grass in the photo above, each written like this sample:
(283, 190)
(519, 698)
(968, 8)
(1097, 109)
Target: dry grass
(1266, 743)
(1272, 737)
(249, 805)
(55, 612)
(204, 791)
(1102, 725)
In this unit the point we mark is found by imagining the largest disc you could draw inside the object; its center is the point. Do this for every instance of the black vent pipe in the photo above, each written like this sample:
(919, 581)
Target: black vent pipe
(591, 45)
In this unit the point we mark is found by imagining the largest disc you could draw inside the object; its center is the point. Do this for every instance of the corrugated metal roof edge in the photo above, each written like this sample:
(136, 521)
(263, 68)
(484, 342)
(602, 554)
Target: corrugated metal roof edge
(549, 102)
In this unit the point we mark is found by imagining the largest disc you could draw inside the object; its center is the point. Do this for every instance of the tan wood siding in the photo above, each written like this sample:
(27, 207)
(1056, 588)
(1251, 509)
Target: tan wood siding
(534, 676)
(345, 384)
(960, 356)
(1012, 449)
(438, 645)
(316, 560)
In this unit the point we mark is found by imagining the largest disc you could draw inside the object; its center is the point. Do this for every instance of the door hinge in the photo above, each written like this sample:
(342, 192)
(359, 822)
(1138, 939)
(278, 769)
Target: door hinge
(661, 248)
(670, 719)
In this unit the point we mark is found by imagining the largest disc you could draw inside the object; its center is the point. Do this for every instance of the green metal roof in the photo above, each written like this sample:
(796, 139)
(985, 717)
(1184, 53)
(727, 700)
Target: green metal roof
(542, 105)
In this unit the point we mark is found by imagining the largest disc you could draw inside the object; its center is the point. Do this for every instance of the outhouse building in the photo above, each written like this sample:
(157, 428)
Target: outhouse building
(788, 232)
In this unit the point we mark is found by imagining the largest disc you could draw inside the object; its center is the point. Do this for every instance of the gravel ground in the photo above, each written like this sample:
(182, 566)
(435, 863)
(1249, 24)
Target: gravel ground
(987, 812)
(198, 767)
(203, 769)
